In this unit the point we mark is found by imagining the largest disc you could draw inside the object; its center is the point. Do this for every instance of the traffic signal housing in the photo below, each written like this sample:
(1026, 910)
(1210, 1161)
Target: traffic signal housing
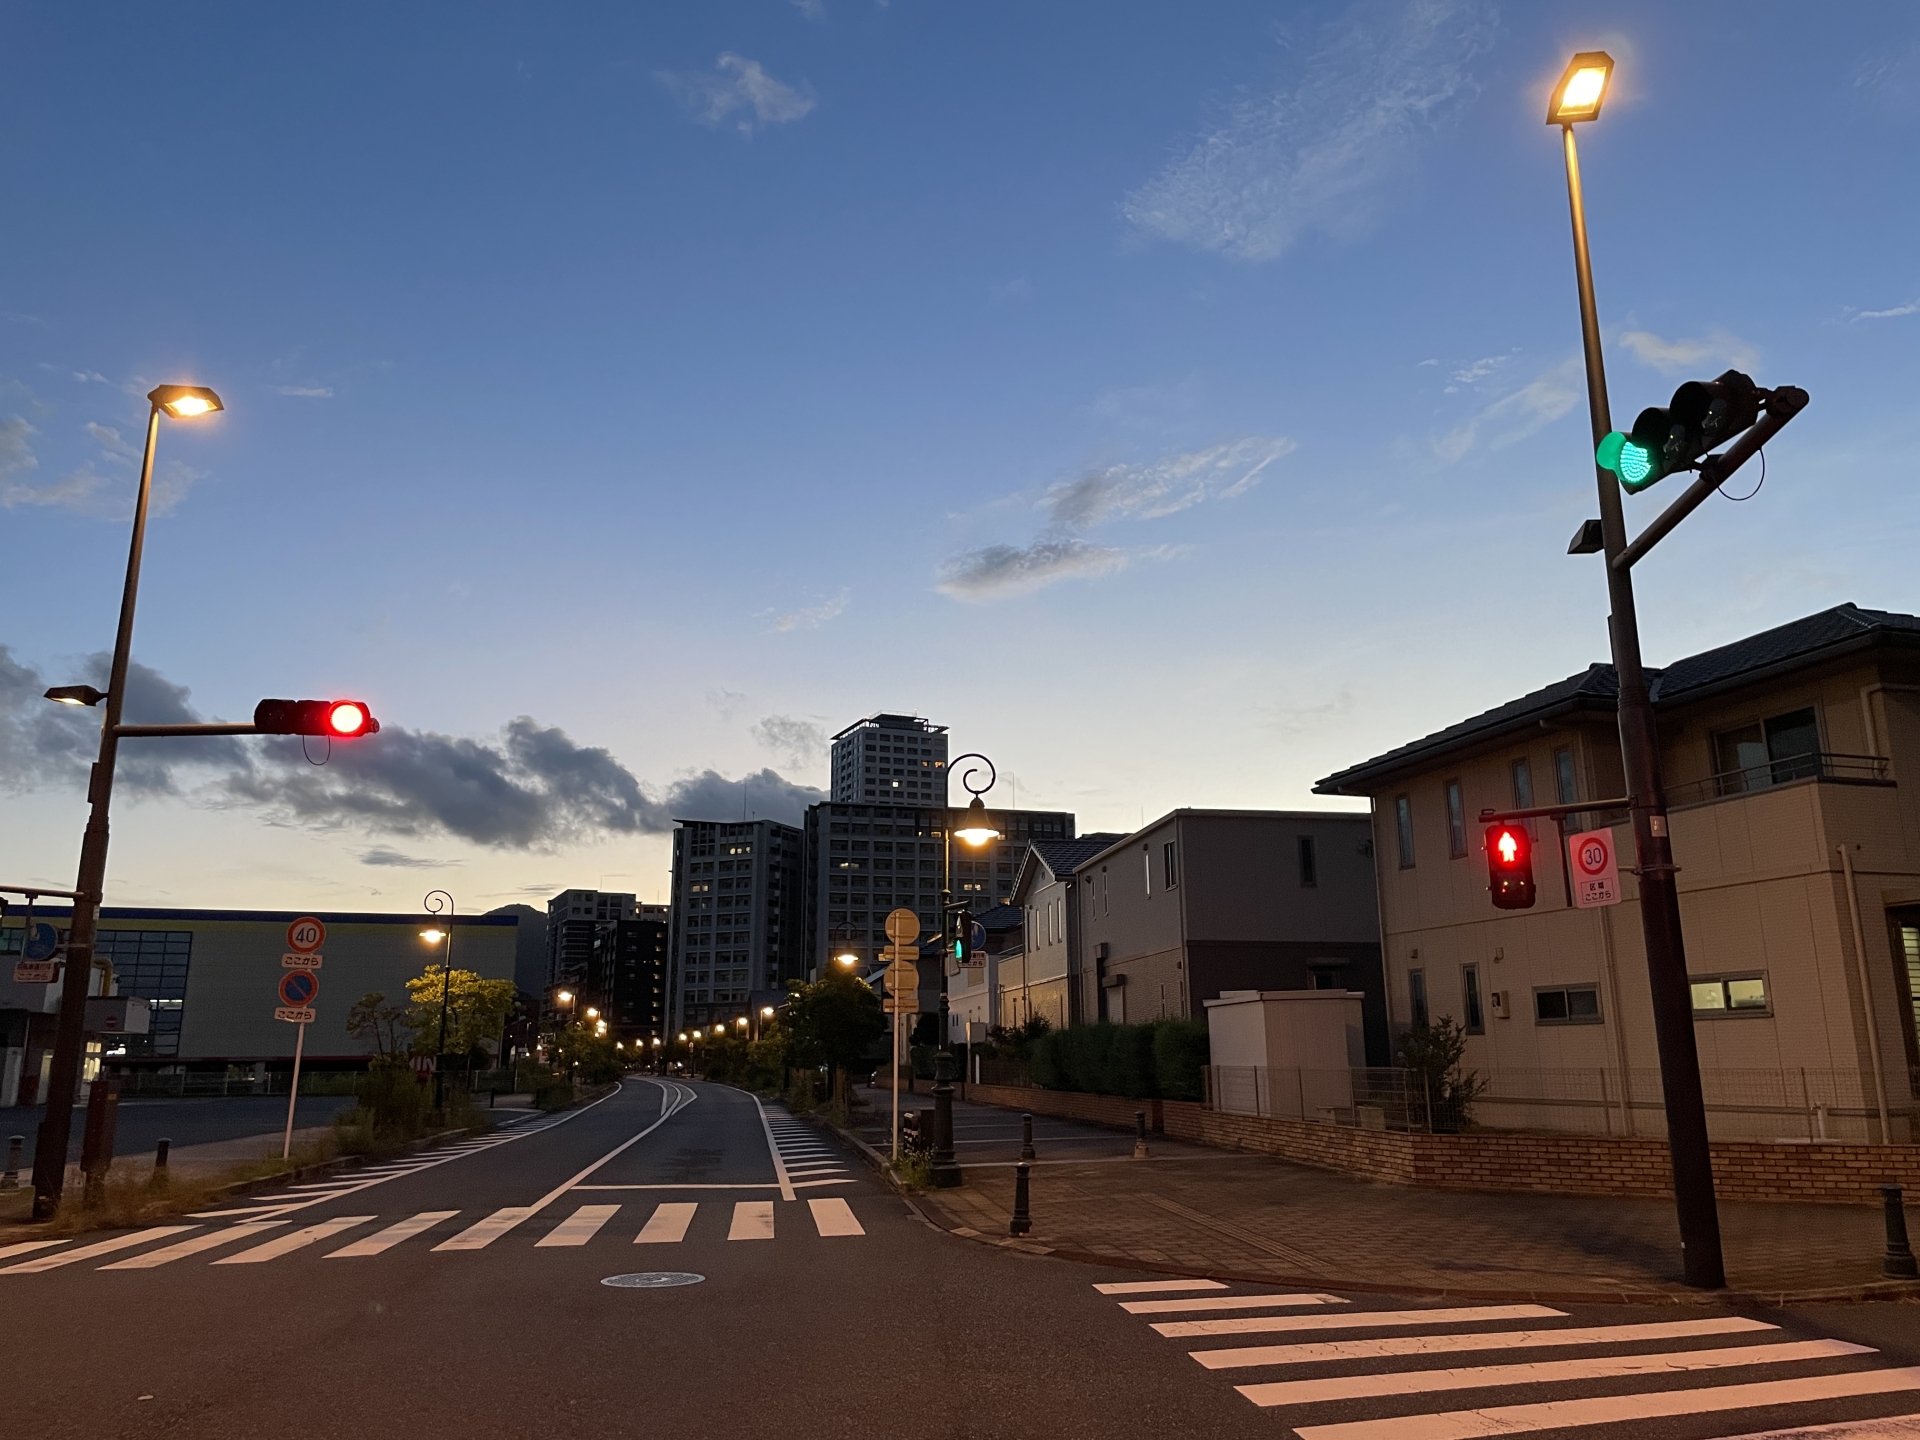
(1510, 866)
(1702, 416)
(963, 937)
(336, 719)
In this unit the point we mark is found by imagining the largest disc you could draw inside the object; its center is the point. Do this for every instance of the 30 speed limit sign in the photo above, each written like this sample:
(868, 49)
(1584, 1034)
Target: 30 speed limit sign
(1596, 871)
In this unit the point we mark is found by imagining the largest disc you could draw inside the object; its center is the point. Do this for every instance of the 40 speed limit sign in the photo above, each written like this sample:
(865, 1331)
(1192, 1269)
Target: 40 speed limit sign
(1595, 869)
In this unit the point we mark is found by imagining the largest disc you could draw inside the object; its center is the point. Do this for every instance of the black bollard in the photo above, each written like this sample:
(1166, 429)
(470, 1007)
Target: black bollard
(1022, 1221)
(159, 1178)
(1899, 1262)
(946, 1170)
(1026, 1137)
(1139, 1134)
(11, 1179)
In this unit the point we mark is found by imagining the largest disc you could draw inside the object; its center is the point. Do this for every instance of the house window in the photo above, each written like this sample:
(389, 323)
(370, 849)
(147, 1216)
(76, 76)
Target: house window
(1566, 788)
(1403, 817)
(1523, 792)
(1719, 996)
(1170, 868)
(1309, 867)
(1456, 821)
(1417, 996)
(1567, 1005)
(1770, 752)
(1470, 998)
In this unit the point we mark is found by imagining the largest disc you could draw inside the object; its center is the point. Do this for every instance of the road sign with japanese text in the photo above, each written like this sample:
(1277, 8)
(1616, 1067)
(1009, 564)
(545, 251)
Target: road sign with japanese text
(1595, 869)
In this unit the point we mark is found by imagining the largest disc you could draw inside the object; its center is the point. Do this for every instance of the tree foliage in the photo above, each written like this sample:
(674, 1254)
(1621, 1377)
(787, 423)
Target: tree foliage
(380, 1023)
(579, 1051)
(1432, 1054)
(477, 1008)
(1161, 1059)
(834, 1021)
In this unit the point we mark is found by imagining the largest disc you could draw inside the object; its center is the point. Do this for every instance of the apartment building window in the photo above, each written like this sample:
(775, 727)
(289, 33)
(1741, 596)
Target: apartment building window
(1170, 868)
(1567, 1005)
(1417, 996)
(1456, 821)
(1769, 752)
(1717, 996)
(1309, 865)
(1470, 999)
(1403, 821)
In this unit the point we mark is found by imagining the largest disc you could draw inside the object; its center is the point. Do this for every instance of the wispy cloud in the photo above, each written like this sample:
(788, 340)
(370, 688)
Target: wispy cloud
(800, 743)
(740, 88)
(383, 856)
(1476, 372)
(311, 392)
(1669, 357)
(1012, 292)
(79, 490)
(1325, 154)
(1515, 416)
(1001, 570)
(812, 617)
(16, 446)
(814, 10)
(1895, 313)
(112, 443)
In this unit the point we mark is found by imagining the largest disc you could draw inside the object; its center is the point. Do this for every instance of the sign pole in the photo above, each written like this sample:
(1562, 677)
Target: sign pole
(896, 1087)
(293, 1090)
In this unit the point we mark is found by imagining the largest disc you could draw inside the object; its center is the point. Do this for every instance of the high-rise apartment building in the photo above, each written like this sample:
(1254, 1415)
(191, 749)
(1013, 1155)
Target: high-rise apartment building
(737, 916)
(576, 919)
(890, 759)
(629, 980)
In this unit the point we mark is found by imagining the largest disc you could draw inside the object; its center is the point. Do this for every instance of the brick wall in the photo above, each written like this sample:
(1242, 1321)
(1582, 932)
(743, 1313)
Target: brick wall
(1830, 1173)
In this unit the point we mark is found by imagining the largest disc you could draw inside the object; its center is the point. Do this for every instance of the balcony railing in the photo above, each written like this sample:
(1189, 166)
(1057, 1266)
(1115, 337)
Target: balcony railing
(1770, 774)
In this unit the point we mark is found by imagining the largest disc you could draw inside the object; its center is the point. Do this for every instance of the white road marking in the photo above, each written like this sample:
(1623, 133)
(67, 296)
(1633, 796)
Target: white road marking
(1359, 1320)
(779, 1165)
(193, 1245)
(1149, 1287)
(27, 1247)
(1312, 1353)
(1542, 1372)
(833, 1217)
(1227, 1302)
(1618, 1409)
(298, 1240)
(483, 1233)
(752, 1220)
(668, 1223)
(579, 1227)
(99, 1247)
(391, 1236)
(1892, 1427)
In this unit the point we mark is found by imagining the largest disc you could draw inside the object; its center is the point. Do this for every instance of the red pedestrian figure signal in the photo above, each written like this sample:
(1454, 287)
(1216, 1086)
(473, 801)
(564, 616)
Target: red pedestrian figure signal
(1510, 867)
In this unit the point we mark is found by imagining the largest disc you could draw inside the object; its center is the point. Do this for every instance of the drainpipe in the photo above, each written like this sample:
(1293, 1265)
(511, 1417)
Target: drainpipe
(1866, 994)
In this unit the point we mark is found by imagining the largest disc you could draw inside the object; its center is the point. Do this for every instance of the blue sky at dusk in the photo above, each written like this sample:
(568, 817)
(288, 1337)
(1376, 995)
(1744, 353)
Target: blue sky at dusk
(1179, 402)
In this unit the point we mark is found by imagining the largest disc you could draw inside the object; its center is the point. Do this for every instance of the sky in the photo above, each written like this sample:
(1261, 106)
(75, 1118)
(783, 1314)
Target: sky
(1180, 403)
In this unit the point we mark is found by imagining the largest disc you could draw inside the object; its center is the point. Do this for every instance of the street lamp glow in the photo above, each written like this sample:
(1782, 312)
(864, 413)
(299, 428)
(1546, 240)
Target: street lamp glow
(185, 402)
(681, 1037)
(565, 997)
(741, 1022)
(848, 960)
(719, 1029)
(592, 1014)
(433, 937)
(977, 829)
(767, 1011)
(1582, 89)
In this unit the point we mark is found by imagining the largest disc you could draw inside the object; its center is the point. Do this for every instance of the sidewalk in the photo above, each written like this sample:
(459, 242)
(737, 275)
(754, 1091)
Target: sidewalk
(1192, 1210)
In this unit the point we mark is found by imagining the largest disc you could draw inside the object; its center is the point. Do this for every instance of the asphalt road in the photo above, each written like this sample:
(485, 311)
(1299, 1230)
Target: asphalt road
(462, 1293)
(141, 1122)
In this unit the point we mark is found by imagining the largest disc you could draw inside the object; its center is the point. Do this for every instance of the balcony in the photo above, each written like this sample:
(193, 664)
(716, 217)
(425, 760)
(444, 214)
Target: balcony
(1826, 765)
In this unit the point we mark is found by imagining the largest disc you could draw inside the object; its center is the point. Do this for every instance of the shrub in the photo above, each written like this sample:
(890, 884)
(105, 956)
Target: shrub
(1432, 1054)
(1162, 1058)
(1180, 1054)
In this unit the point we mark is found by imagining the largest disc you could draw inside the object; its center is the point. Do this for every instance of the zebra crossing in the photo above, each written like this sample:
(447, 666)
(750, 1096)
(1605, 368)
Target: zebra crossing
(262, 1239)
(803, 1157)
(1338, 1354)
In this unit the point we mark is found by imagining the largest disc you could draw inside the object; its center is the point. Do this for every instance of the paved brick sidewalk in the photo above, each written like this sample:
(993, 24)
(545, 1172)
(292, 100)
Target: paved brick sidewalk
(1189, 1208)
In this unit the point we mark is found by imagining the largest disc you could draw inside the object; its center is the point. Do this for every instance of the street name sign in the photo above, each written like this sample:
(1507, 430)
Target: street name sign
(1595, 869)
(294, 960)
(306, 935)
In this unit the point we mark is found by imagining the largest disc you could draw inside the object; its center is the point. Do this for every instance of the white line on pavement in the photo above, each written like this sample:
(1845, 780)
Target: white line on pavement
(1227, 1302)
(1358, 1320)
(1148, 1287)
(1312, 1353)
(27, 1247)
(578, 1228)
(1891, 1427)
(99, 1247)
(752, 1220)
(298, 1240)
(386, 1239)
(779, 1165)
(668, 1223)
(833, 1216)
(192, 1245)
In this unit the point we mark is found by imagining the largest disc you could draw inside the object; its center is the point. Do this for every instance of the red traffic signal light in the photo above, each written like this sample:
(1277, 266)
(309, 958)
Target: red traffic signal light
(1510, 866)
(336, 719)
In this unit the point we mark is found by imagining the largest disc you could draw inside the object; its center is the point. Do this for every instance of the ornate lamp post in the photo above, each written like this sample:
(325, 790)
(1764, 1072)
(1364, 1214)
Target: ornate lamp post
(975, 829)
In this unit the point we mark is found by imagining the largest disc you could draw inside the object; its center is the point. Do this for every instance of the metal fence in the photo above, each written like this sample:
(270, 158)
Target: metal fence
(201, 1084)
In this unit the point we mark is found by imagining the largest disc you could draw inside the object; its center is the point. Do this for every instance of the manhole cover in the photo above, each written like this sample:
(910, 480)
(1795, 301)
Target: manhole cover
(653, 1280)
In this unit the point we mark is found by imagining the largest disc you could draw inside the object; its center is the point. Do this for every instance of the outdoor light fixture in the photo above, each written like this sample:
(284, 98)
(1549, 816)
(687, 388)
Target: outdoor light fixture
(76, 695)
(719, 1029)
(433, 937)
(592, 1014)
(565, 997)
(977, 830)
(848, 960)
(681, 1037)
(185, 402)
(1582, 89)
(767, 1010)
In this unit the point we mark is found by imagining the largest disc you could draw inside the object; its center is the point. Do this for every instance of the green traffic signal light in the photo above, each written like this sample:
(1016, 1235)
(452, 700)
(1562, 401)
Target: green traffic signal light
(1635, 464)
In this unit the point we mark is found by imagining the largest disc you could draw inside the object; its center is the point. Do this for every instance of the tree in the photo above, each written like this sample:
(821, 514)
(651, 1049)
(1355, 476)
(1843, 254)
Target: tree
(374, 1019)
(833, 1022)
(477, 1008)
(579, 1047)
(1432, 1054)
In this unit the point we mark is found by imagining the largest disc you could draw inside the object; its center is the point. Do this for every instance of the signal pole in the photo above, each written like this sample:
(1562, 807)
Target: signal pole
(1693, 1192)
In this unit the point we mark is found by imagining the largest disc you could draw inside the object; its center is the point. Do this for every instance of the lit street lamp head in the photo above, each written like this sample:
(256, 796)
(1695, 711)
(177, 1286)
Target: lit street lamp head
(76, 695)
(185, 402)
(977, 829)
(433, 937)
(846, 962)
(1582, 89)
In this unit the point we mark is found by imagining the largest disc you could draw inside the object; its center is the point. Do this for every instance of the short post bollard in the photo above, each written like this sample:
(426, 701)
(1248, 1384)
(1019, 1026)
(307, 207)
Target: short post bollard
(1022, 1221)
(1026, 1137)
(1899, 1263)
(160, 1151)
(1139, 1134)
(96, 1145)
(11, 1179)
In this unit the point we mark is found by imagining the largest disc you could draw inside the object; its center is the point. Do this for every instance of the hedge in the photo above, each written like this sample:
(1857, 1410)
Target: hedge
(1162, 1059)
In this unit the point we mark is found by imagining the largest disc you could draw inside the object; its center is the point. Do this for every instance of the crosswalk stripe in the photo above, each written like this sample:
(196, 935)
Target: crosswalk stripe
(1891, 1427)
(386, 1239)
(27, 1247)
(483, 1233)
(297, 1240)
(1358, 1320)
(1587, 1367)
(752, 1220)
(833, 1216)
(192, 1245)
(668, 1223)
(1227, 1302)
(99, 1247)
(579, 1227)
(1618, 1409)
(1310, 1353)
(1149, 1287)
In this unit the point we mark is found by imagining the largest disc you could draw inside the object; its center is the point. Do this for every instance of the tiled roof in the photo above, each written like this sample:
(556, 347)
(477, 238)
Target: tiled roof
(1786, 647)
(1001, 917)
(1063, 855)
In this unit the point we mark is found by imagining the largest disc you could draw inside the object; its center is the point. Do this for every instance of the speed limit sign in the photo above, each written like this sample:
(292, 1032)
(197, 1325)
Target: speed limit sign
(306, 935)
(1596, 872)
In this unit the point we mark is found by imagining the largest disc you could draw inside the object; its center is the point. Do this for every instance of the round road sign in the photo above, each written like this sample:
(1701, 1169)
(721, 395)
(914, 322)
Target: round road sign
(298, 987)
(903, 926)
(1593, 855)
(306, 935)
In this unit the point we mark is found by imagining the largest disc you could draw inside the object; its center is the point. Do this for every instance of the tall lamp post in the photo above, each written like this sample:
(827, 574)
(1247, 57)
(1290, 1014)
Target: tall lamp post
(439, 902)
(1577, 98)
(180, 402)
(974, 830)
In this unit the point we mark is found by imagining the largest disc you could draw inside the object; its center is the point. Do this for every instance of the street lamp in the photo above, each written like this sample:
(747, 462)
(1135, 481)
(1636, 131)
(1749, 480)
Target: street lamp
(181, 402)
(440, 902)
(976, 829)
(1576, 99)
(846, 960)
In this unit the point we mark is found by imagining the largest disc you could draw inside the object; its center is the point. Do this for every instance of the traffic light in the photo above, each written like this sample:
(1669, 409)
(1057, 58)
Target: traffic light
(1703, 415)
(1510, 867)
(963, 937)
(336, 719)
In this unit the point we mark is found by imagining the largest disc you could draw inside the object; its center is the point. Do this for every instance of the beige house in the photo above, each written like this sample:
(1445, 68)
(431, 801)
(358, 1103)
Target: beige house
(1784, 756)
